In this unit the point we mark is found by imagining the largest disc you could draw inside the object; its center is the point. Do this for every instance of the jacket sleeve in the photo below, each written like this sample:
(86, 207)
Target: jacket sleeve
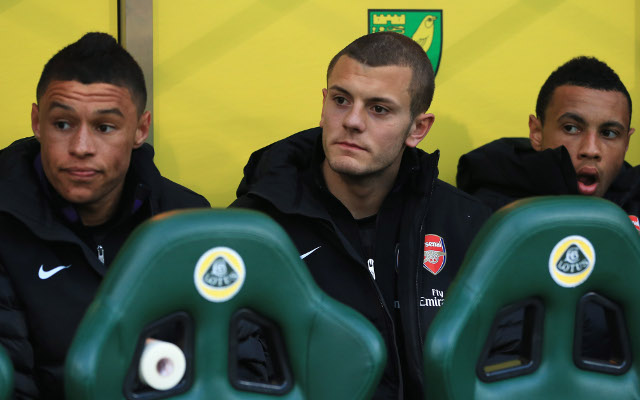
(14, 337)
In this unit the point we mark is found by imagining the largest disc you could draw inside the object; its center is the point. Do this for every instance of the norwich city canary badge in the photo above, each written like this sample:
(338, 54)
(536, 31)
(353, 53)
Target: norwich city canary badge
(423, 26)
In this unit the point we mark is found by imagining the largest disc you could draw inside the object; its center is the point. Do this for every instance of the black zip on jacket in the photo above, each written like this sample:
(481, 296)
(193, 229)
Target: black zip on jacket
(284, 181)
(50, 266)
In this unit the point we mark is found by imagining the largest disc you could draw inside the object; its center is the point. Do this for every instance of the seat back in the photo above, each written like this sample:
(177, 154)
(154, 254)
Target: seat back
(202, 268)
(6, 375)
(560, 271)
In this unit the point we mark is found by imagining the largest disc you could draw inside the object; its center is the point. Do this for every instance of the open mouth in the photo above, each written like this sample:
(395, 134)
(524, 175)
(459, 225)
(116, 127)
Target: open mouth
(587, 183)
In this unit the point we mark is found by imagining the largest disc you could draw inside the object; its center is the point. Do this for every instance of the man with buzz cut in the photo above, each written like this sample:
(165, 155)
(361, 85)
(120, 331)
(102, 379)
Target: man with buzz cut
(71, 196)
(577, 143)
(376, 228)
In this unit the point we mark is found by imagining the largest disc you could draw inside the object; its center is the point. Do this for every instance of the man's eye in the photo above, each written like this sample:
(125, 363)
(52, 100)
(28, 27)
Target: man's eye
(571, 129)
(609, 134)
(340, 100)
(62, 125)
(105, 128)
(379, 110)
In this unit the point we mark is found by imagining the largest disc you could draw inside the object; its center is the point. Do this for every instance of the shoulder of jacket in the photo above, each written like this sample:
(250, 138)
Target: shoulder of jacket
(19, 149)
(178, 195)
(449, 193)
(29, 141)
(249, 201)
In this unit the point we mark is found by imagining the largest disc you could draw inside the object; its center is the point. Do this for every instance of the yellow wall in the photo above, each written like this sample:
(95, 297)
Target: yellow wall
(31, 31)
(231, 77)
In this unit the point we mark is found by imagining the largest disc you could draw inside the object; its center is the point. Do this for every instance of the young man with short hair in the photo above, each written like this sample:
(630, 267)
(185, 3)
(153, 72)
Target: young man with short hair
(576, 146)
(577, 143)
(376, 228)
(71, 196)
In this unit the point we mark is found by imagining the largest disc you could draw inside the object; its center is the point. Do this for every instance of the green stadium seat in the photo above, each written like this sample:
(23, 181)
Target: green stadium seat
(204, 270)
(6, 375)
(563, 274)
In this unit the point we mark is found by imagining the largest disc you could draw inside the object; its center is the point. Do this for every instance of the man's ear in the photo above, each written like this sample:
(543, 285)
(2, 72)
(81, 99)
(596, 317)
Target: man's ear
(535, 132)
(35, 120)
(142, 131)
(324, 99)
(419, 129)
(629, 138)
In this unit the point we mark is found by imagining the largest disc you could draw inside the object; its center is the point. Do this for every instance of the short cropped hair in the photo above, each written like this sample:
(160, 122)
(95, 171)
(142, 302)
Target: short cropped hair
(389, 48)
(586, 72)
(96, 58)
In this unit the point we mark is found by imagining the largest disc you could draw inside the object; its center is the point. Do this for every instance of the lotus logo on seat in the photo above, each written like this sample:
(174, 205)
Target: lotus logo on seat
(572, 261)
(219, 274)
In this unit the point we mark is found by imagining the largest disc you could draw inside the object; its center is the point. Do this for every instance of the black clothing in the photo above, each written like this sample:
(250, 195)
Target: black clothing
(509, 169)
(625, 191)
(421, 216)
(51, 264)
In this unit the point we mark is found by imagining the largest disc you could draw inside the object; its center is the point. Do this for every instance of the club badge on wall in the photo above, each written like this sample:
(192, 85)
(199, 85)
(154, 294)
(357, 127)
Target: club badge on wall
(423, 26)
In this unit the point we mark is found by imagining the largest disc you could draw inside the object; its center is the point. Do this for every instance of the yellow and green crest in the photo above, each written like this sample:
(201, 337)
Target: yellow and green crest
(423, 26)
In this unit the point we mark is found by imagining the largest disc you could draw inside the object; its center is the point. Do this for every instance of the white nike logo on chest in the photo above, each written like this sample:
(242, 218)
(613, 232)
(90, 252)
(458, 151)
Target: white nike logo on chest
(303, 256)
(42, 274)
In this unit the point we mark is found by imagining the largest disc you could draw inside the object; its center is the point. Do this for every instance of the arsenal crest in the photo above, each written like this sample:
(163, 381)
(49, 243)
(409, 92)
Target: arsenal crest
(435, 253)
(423, 26)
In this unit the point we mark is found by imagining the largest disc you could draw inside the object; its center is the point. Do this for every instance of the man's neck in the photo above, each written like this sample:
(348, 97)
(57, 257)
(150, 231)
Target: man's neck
(362, 196)
(99, 212)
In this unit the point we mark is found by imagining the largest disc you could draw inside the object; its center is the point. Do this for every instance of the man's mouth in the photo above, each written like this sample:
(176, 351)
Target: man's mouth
(350, 146)
(81, 173)
(588, 180)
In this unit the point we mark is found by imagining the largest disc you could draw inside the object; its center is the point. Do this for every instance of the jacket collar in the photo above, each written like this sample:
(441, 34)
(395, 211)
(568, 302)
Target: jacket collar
(625, 189)
(35, 199)
(288, 173)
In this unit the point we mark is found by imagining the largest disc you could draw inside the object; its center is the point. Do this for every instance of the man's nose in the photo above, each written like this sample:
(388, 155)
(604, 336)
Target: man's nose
(82, 142)
(590, 146)
(355, 119)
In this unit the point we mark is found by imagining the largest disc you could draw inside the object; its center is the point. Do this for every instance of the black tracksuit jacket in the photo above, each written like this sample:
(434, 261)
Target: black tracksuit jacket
(38, 317)
(509, 169)
(284, 181)
(625, 191)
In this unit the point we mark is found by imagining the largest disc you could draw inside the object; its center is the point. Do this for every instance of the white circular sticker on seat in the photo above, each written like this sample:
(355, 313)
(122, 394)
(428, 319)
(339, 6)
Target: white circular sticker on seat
(219, 274)
(572, 261)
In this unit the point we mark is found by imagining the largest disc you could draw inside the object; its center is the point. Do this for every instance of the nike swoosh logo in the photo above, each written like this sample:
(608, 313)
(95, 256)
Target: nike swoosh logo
(42, 274)
(303, 256)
